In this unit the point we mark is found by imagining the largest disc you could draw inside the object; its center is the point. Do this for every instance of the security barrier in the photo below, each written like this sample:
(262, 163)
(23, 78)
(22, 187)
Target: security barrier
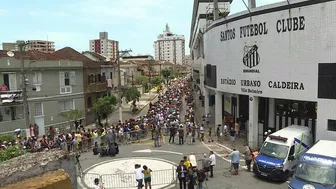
(221, 164)
(160, 178)
(87, 144)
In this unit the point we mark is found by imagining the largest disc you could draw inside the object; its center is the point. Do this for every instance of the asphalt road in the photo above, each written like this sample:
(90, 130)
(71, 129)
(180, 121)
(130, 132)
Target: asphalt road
(222, 177)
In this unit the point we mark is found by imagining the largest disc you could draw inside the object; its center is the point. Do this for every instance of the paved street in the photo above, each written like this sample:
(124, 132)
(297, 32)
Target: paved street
(173, 153)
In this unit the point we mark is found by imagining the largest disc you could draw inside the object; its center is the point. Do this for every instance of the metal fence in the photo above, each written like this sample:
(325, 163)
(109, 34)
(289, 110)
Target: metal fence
(88, 143)
(221, 164)
(127, 180)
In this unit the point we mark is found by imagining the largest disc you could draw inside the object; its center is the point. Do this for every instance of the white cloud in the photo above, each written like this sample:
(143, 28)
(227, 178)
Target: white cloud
(3, 11)
(38, 13)
(110, 11)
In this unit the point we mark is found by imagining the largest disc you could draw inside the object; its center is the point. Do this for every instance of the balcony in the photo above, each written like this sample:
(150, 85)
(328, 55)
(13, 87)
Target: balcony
(9, 97)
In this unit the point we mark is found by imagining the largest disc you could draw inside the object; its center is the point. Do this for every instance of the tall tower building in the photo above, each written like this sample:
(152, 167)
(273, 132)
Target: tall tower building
(104, 46)
(39, 45)
(170, 47)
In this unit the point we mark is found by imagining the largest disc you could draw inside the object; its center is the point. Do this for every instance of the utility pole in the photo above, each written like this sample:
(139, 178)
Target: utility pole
(149, 75)
(24, 83)
(119, 82)
(132, 79)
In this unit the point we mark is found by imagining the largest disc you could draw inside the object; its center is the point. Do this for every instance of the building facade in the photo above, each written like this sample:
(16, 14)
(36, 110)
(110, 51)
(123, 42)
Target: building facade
(271, 68)
(105, 46)
(39, 45)
(170, 47)
(54, 86)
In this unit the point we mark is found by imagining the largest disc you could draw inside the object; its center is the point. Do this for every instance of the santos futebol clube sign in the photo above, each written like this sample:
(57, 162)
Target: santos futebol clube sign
(251, 57)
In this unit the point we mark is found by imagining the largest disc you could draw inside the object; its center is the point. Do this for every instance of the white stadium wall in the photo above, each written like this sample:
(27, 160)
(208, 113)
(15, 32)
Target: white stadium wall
(283, 63)
(274, 59)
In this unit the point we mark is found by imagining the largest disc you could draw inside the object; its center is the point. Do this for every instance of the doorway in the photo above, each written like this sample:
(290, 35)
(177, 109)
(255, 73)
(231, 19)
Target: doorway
(9, 80)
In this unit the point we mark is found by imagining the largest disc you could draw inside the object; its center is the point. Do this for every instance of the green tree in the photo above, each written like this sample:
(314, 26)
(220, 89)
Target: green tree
(157, 80)
(132, 94)
(72, 115)
(166, 73)
(142, 80)
(104, 106)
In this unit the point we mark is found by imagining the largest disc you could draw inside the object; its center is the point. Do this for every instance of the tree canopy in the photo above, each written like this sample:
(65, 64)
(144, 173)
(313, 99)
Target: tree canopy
(141, 80)
(132, 94)
(166, 73)
(105, 105)
(156, 80)
(72, 115)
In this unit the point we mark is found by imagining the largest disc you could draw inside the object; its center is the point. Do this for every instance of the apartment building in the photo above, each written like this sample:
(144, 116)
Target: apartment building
(54, 86)
(57, 82)
(39, 45)
(170, 47)
(105, 46)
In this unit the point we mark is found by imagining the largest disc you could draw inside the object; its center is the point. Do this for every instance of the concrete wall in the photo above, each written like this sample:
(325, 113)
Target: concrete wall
(49, 94)
(35, 164)
(51, 180)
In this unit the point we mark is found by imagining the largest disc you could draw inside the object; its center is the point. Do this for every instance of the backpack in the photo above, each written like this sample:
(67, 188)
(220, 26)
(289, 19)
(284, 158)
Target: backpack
(201, 176)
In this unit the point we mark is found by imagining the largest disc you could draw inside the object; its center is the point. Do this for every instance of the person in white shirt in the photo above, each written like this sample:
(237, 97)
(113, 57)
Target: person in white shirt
(193, 160)
(202, 132)
(139, 175)
(97, 185)
(213, 162)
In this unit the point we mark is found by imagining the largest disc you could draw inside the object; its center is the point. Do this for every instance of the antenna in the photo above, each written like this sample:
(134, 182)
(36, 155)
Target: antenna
(10, 54)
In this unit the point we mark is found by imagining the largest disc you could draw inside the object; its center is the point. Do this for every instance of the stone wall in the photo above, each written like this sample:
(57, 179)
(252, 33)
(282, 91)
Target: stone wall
(35, 164)
(55, 179)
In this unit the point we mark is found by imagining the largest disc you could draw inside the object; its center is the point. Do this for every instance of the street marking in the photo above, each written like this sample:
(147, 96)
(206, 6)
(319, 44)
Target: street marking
(229, 149)
(228, 160)
(162, 151)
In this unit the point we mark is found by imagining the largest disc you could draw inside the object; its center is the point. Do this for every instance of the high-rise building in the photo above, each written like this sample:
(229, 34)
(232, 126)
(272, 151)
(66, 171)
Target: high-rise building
(40, 45)
(104, 46)
(170, 47)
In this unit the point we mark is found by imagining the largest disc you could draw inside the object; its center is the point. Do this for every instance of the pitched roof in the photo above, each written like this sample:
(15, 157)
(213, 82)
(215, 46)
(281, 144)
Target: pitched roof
(31, 54)
(69, 53)
(98, 56)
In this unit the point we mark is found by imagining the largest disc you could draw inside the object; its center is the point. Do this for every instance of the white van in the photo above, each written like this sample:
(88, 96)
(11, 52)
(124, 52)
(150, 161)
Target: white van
(280, 152)
(317, 167)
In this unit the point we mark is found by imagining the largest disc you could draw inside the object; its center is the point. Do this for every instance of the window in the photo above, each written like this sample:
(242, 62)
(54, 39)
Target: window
(10, 113)
(92, 79)
(331, 125)
(98, 78)
(9, 79)
(39, 109)
(66, 105)
(67, 80)
(37, 78)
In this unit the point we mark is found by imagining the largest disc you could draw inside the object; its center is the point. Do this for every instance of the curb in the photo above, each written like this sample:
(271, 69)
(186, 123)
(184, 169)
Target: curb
(82, 183)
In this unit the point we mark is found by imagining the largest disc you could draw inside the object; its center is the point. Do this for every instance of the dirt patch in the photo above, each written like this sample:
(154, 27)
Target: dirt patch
(55, 179)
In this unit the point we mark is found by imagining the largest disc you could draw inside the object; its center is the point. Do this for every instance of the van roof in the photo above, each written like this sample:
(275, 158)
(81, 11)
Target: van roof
(324, 148)
(292, 131)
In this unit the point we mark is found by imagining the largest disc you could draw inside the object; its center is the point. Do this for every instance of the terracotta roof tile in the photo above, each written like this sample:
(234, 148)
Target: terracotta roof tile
(69, 53)
(31, 54)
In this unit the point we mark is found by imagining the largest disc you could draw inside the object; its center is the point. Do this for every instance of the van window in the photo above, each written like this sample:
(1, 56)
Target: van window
(274, 150)
(316, 174)
(291, 151)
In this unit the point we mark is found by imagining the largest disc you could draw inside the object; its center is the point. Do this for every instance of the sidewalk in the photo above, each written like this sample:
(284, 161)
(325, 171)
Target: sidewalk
(227, 144)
